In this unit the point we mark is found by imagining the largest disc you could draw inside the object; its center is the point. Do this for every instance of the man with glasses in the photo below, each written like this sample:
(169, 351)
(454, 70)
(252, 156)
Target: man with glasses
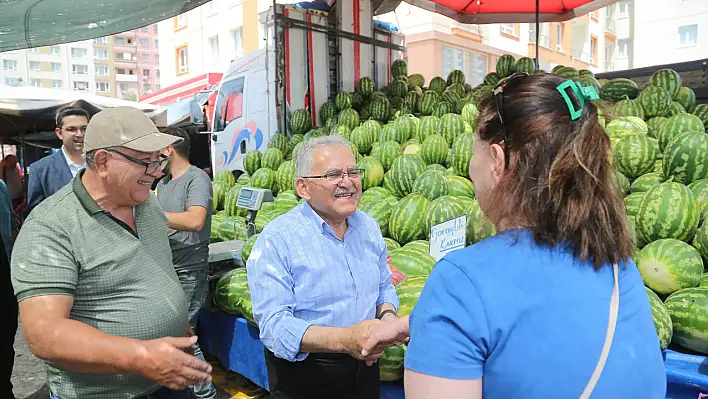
(319, 281)
(185, 194)
(53, 172)
(99, 298)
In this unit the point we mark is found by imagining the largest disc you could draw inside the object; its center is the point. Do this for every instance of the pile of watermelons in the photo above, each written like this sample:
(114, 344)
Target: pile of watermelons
(415, 143)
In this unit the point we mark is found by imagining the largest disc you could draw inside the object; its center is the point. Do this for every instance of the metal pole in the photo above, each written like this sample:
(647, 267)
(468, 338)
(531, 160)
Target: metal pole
(538, 30)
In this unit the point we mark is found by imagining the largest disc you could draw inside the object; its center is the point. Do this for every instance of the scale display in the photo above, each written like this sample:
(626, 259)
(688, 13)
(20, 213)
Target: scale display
(253, 198)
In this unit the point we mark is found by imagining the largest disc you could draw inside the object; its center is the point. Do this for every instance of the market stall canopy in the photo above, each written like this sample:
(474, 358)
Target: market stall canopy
(32, 23)
(510, 11)
(29, 109)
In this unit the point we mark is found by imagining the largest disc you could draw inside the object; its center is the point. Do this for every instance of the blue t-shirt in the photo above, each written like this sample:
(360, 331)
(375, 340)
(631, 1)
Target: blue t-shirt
(531, 321)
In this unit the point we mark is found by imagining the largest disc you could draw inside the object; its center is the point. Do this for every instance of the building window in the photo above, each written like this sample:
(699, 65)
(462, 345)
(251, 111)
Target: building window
(120, 71)
(144, 29)
(180, 21)
(100, 54)
(10, 81)
(125, 57)
(623, 48)
(78, 52)
(103, 87)
(144, 42)
(182, 61)
(56, 67)
(609, 58)
(54, 50)
(214, 47)
(508, 29)
(57, 84)
(473, 64)
(9, 65)
(155, 28)
(35, 66)
(119, 40)
(146, 57)
(147, 88)
(238, 42)
(559, 37)
(157, 74)
(79, 69)
(544, 37)
(36, 82)
(33, 50)
(624, 9)
(81, 86)
(146, 73)
(688, 35)
(101, 70)
(593, 49)
(158, 85)
(157, 58)
(100, 40)
(157, 43)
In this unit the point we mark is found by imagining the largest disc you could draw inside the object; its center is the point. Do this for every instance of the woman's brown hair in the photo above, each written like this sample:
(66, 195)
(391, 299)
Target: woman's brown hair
(559, 183)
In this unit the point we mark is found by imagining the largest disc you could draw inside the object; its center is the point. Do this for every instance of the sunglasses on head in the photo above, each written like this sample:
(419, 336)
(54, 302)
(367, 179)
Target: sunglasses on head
(499, 101)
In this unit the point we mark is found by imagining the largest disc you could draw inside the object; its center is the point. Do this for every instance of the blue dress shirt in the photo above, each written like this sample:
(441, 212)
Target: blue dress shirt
(300, 274)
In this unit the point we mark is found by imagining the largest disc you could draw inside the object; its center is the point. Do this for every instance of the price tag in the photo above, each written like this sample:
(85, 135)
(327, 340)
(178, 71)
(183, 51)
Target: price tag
(448, 236)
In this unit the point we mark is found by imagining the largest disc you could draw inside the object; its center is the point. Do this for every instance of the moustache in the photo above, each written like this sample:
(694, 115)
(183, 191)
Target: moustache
(345, 191)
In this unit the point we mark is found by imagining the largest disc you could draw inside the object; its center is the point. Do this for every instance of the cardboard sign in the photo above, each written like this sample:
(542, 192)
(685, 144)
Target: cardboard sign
(448, 236)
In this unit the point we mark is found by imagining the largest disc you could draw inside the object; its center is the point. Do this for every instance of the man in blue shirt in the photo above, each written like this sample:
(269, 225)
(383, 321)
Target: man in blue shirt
(319, 281)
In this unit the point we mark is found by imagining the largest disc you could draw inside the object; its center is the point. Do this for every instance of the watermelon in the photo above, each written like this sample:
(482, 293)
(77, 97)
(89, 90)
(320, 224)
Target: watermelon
(434, 149)
(506, 65)
(407, 223)
(677, 125)
(428, 126)
(343, 100)
(458, 186)
(525, 64)
(431, 184)
(422, 246)
(623, 183)
(470, 114)
(646, 181)
(233, 296)
(456, 76)
(676, 109)
(219, 190)
(328, 110)
(363, 138)
(399, 68)
(398, 88)
(688, 309)
(441, 210)
(391, 363)
(381, 212)
(380, 108)
(687, 98)
(686, 157)
(366, 86)
(462, 154)
(479, 226)
(248, 247)
(655, 100)
(632, 202)
(387, 153)
(668, 210)
(668, 79)
(404, 171)
(628, 108)
(408, 293)
(634, 155)
(568, 73)
(301, 121)
(443, 108)
(662, 319)
(417, 80)
(411, 263)
(393, 132)
(437, 167)
(391, 244)
(286, 176)
(230, 202)
(341, 131)
(491, 79)
(668, 265)
(265, 178)
(626, 125)
(704, 280)
(252, 161)
(437, 85)
(349, 117)
(700, 191)
(618, 89)
(373, 172)
(451, 126)
(272, 159)
(700, 240)
(225, 176)
(654, 125)
(701, 111)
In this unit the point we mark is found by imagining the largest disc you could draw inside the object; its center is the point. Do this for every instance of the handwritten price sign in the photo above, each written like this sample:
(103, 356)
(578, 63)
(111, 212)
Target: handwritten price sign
(448, 236)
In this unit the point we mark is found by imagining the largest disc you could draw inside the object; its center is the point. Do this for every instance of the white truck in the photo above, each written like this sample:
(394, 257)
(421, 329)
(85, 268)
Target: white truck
(310, 55)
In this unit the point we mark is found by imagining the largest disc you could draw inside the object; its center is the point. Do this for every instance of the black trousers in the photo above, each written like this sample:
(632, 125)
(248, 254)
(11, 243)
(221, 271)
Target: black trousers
(322, 376)
(8, 304)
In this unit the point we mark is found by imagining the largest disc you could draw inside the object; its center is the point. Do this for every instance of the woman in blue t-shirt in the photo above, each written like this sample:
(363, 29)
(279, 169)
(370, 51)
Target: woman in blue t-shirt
(532, 312)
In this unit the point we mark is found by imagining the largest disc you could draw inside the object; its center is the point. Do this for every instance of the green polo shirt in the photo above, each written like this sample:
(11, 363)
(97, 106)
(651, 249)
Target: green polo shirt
(123, 283)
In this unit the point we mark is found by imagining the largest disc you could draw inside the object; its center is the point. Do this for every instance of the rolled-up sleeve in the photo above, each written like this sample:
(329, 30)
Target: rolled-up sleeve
(271, 284)
(387, 292)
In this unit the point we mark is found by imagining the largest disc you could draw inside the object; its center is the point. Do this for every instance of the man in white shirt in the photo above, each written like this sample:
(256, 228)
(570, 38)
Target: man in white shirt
(53, 172)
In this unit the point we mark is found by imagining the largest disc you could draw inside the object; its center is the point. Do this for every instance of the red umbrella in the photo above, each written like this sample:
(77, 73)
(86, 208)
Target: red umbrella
(511, 11)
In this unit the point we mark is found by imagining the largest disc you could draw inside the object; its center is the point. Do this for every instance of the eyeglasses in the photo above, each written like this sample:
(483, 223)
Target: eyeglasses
(150, 167)
(75, 129)
(499, 101)
(338, 175)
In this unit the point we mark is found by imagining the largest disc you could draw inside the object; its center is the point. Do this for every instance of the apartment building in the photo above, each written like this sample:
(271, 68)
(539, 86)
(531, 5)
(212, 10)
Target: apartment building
(650, 35)
(207, 38)
(437, 45)
(124, 66)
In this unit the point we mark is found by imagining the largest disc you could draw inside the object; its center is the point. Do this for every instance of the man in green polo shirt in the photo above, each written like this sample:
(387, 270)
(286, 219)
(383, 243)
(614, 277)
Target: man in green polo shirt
(99, 298)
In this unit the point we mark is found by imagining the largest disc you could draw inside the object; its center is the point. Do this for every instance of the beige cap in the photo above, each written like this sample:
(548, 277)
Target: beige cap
(125, 127)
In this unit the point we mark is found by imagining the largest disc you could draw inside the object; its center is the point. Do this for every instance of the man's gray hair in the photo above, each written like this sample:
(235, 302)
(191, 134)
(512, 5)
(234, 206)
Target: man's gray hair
(303, 159)
(89, 159)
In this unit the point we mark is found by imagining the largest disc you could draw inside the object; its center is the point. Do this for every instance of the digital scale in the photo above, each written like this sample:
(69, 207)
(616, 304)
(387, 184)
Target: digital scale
(252, 199)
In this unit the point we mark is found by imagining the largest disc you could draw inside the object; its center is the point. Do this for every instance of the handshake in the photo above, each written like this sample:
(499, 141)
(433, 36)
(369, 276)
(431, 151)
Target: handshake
(368, 339)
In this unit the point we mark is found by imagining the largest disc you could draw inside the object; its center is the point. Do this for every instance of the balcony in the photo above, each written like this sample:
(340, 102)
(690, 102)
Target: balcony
(609, 66)
(123, 62)
(121, 77)
(125, 47)
(610, 25)
(581, 55)
(544, 39)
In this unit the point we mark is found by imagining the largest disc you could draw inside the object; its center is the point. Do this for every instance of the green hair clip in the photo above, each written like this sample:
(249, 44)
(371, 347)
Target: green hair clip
(582, 93)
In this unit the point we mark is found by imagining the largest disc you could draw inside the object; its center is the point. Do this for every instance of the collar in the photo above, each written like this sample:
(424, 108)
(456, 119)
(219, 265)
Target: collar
(83, 196)
(307, 211)
(69, 161)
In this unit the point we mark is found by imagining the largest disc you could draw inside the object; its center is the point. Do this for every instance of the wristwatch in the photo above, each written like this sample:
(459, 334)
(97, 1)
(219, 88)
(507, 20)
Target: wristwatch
(384, 313)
